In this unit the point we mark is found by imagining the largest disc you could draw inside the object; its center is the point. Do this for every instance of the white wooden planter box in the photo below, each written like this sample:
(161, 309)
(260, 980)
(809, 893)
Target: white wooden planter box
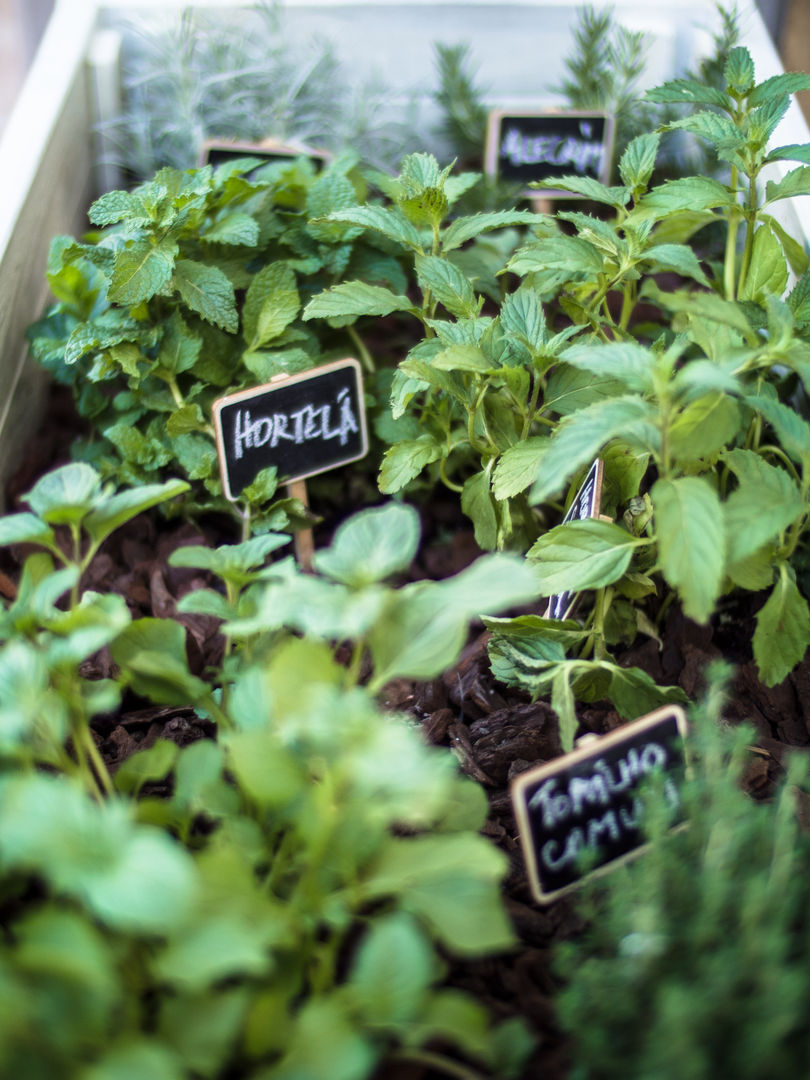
(48, 148)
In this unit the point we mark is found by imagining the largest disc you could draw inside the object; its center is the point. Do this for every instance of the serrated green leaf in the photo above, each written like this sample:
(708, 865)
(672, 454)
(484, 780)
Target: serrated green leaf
(692, 193)
(704, 427)
(582, 435)
(689, 92)
(152, 654)
(271, 304)
(635, 693)
(522, 315)
(791, 152)
(638, 160)
(788, 82)
(114, 206)
(463, 229)
(792, 431)
(386, 220)
(626, 362)
(767, 272)
(233, 227)
(447, 284)
(739, 70)
(568, 253)
(206, 290)
(517, 467)
(404, 461)
(766, 502)
(690, 530)
(477, 504)
(782, 632)
(141, 270)
(462, 358)
(715, 128)
(355, 298)
(588, 187)
(678, 257)
(796, 182)
(585, 554)
(570, 389)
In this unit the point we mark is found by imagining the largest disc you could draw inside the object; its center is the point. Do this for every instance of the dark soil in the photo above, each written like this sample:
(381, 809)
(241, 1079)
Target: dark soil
(493, 731)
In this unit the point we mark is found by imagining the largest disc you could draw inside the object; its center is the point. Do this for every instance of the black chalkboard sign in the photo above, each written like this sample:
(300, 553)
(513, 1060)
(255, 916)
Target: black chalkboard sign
(586, 803)
(524, 146)
(303, 424)
(218, 151)
(587, 503)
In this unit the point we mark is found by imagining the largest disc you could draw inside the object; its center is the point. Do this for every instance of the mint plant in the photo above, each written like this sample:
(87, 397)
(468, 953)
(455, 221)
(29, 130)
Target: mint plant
(193, 288)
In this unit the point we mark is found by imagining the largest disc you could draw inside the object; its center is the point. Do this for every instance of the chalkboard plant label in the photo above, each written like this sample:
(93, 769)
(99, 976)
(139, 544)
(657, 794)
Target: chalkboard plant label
(219, 151)
(587, 504)
(523, 146)
(302, 424)
(586, 804)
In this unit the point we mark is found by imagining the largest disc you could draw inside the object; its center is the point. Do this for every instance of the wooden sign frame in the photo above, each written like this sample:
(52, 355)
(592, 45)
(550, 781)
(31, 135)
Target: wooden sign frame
(592, 785)
(547, 132)
(561, 605)
(270, 149)
(274, 436)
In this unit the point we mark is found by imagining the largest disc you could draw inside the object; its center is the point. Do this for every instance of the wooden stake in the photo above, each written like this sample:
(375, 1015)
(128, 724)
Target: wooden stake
(303, 540)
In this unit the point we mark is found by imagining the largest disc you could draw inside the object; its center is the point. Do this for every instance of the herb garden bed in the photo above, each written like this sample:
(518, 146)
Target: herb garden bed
(232, 838)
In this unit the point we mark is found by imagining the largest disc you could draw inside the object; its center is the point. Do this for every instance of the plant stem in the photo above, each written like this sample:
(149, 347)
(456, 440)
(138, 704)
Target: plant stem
(438, 1061)
(729, 263)
(366, 358)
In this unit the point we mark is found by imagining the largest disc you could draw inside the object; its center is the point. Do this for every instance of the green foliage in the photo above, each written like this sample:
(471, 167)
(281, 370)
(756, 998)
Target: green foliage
(288, 907)
(659, 984)
(192, 289)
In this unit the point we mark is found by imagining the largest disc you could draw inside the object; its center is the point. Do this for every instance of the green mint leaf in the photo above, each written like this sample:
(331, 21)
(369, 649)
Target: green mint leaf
(689, 92)
(588, 187)
(766, 502)
(739, 70)
(587, 554)
(466, 228)
(447, 284)
(789, 82)
(115, 206)
(355, 298)
(570, 389)
(678, 257)
(141, 270)
(206, 290)
(388, 221)
(716, 129)
(635, 693)
(792, 431)
(704, 427)
(179, 347)
(791, 152)
(767, 272)
(152, 656)
(232, 227)
(371, 546)
(690, 531)
(782, 633)
(569, 253)
(405, 460)
(522, 316)
(626, 362)
(637, 163)
(796, 182)
(477, 504)
(186, 419)
(271, 304)
(692, 193)
(517, 466)
(582, 435)
(462, 358)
